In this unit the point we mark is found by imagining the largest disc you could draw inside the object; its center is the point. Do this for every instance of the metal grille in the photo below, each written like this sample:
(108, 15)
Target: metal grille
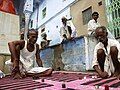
(113, 16)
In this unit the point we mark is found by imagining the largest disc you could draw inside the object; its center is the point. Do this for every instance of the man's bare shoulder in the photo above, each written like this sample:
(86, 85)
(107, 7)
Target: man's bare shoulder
(21, 43)
(18, 42)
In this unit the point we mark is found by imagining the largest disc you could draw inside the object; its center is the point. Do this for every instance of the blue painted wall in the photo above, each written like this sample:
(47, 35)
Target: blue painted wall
(68, 56)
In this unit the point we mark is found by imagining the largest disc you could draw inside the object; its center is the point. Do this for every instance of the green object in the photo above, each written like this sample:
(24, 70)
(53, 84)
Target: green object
(113, 16)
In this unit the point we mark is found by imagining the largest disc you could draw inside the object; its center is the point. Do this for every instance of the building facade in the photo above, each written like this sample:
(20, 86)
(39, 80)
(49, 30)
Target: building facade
(49, 15)
(82, 10)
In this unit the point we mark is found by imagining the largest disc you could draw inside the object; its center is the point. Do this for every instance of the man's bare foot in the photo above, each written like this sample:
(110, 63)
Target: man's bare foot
(16, 75)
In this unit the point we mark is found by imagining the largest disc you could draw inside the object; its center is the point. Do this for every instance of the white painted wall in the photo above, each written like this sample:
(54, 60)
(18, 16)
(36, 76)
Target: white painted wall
(53, 28)
(34, 18)
(55, 9)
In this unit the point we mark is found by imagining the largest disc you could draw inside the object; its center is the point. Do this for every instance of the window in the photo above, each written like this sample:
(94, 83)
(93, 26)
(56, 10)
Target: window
(44, 12)
(113, 15)
(87, 15)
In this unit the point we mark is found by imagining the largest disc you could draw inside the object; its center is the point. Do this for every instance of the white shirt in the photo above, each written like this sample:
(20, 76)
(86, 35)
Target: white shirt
(108, 65)
(92, 25)
(64, 30)
(74, 32)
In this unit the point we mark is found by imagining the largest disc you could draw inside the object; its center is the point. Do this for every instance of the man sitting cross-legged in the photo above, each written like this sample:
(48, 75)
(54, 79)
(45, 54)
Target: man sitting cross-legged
(23, 54)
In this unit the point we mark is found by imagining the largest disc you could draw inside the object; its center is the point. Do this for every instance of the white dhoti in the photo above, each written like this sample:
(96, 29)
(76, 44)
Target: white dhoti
(31, 70)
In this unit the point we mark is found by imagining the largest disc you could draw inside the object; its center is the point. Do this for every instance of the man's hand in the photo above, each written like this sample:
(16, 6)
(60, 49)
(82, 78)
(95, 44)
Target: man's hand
(16, 73)
(17, 76)
(103, 74)
(117, 74)
(118, 77)
(100, 72)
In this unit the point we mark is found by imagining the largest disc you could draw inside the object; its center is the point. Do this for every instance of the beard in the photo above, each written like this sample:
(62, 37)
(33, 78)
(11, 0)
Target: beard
(103, 40)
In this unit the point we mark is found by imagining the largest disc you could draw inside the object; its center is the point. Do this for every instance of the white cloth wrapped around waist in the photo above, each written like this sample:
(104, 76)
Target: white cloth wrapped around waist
(38, 70)
(32, 70)
(108, 65)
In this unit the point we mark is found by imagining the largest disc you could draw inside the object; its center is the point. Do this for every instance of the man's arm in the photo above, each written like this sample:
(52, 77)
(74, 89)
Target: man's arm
(63, 32)
(100, 72)
(12, 49)
(97, 69)
(15, 48)
(13, 45)
(38, 60)
(95, 64)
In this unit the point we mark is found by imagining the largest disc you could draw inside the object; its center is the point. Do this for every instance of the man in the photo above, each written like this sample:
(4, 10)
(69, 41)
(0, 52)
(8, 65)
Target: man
(93, 23)
(44, 42)
(106, 60)
(23, 54)
(65, 30)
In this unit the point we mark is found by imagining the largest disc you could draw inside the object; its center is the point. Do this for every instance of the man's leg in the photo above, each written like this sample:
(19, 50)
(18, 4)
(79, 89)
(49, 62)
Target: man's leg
(114, 57)
(101, 58)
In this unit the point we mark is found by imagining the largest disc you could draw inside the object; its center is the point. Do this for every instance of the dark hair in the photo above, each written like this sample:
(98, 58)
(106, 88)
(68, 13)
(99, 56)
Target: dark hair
(95, 13)
(31, 30)
(64, 18)
(103, 28)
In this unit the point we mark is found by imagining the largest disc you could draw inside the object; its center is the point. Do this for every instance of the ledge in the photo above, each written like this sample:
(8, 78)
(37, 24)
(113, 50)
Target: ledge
(65, 42)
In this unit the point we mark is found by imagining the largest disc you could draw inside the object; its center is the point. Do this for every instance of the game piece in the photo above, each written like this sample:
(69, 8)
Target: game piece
(63, 85)
(94, 77)
(85, 77)
(42, 80)
(34, 77)
(97, 86)
(106, 87)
